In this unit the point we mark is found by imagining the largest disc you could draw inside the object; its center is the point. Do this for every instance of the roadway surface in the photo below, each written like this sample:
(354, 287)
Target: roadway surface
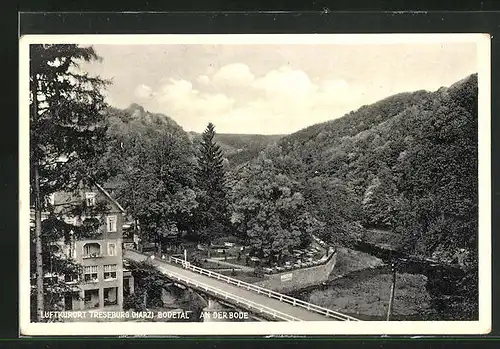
(272, 303)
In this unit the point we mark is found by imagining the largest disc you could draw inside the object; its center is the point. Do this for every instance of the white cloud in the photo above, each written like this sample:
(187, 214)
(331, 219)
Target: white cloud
(285, 82)
(287, 100)
(336, 92)
(176, 89)
(234, 74)
(283, 100)
(143, 91)
(178, 98)
(203, 79)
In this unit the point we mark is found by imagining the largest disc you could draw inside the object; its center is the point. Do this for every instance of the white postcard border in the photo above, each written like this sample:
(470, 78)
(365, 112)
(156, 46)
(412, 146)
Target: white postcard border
(482, 326)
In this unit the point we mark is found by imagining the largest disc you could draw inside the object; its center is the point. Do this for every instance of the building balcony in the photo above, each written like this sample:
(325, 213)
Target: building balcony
(93, 255)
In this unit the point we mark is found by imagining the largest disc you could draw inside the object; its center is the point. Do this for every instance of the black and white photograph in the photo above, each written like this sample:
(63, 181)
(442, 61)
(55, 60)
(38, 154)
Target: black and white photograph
(255, 184)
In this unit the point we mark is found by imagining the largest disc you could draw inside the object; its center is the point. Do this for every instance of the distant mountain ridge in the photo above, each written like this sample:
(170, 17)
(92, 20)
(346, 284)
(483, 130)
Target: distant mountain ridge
(240, 148)
(135, 119)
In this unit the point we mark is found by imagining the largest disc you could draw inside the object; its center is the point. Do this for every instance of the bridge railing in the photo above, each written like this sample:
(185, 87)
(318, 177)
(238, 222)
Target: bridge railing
(260, 290)
(223, 294)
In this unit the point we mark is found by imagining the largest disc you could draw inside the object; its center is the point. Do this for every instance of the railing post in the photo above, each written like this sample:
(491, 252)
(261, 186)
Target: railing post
(294, 302)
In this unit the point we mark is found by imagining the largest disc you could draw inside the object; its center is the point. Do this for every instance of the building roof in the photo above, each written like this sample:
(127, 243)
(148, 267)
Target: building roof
(110, 197)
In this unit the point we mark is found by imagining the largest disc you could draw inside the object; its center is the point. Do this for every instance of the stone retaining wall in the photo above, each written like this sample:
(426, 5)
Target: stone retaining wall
(298, 278)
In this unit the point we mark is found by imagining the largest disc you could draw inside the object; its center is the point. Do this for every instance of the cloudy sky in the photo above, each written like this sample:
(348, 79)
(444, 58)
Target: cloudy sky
(272, 89)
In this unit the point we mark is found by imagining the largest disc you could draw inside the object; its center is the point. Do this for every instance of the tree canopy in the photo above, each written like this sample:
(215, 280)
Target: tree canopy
(154, 167)
(67, 133)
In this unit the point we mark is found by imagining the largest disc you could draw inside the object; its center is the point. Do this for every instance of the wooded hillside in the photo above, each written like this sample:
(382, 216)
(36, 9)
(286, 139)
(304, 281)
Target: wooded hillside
(406, 164)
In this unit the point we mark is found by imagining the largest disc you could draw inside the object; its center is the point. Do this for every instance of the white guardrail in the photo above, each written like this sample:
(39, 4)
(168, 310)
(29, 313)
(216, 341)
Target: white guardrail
(260, 290)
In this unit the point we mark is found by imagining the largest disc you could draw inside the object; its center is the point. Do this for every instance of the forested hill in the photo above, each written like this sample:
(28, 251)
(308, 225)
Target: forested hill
(135, 137)
(240, 148)
(135, 118)
(406, 165)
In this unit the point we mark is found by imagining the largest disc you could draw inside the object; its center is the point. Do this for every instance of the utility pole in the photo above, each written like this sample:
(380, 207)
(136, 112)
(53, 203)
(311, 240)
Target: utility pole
(393, 287)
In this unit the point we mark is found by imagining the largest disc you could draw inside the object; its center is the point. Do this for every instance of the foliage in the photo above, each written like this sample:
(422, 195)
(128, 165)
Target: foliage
(335, 204)
(67, 135)
(212, 213)
(269, 210)
(154, 159)
(149, 283)
(56, 263)
(238, 149)
(407, 164)
(67, 130)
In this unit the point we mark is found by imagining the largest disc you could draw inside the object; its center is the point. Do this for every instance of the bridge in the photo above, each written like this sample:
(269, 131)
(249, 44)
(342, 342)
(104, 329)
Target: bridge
(255, 299)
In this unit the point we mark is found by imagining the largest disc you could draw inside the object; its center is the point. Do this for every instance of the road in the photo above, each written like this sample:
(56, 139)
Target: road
(275, 304)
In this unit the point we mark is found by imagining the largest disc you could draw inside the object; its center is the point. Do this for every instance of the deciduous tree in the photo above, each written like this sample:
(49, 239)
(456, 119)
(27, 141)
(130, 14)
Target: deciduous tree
(270, 211)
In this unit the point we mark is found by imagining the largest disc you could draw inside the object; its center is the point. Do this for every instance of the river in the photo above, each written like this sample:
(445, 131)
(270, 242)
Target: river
(425, 290)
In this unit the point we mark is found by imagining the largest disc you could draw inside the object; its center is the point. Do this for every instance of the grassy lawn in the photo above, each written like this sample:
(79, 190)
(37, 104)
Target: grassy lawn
(241, 262)
(212, 265)
(369, 298)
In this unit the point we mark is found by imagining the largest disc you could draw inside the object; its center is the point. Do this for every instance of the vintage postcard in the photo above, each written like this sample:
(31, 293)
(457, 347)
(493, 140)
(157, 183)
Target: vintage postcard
(255, 184)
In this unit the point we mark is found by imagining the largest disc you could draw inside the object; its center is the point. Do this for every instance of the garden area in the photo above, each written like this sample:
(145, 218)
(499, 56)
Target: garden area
(229, 255)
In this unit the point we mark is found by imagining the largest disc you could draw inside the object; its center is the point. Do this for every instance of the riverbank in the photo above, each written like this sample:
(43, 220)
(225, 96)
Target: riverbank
(368, 299)
(360, 286)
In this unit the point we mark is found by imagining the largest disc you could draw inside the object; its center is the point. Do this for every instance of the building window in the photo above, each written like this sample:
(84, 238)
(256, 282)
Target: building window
(111, 224)
(109, 271)
(52, 199)
(91, 299)
(110, 296)
(90, 199)
(111, 249)
(72, 251)
(91, 250)
(71, 278)
(90, 273)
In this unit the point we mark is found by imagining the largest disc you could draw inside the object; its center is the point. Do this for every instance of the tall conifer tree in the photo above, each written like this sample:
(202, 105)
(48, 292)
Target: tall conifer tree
(67, 130)
(213, 208)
